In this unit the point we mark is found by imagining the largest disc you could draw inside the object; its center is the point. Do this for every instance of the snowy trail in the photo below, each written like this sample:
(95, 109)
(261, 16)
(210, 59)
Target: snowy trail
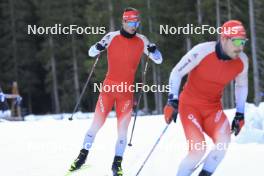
(47, 148)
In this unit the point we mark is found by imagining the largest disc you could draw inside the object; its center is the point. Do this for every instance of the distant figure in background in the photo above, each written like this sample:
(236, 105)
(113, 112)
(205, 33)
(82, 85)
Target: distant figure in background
(124, 50)
(210, 67)
(4, 110)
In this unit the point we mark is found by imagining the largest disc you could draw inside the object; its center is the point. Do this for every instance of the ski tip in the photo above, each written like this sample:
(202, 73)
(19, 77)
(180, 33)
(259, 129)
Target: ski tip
(68, 173)
(84, 167)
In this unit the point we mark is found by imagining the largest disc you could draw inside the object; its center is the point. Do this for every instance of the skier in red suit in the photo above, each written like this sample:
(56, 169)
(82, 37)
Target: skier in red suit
(124, 50)
(210, 67)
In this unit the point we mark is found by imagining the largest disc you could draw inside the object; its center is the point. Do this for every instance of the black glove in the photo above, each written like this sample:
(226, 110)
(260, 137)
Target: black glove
(174, 104)
(237, 123)
(171, 111)
(100, 47)
(152, 48)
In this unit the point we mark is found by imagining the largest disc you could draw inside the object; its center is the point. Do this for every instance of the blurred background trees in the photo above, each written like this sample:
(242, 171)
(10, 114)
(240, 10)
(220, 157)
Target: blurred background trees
(51, 69)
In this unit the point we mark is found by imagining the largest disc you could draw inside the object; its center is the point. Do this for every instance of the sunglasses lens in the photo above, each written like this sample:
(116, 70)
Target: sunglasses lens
(133, 24)
(239, 42)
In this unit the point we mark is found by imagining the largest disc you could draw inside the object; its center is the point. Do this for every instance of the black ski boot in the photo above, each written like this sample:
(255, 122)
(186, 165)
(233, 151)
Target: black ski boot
(205, 173)
(116, 166)
(80, 160)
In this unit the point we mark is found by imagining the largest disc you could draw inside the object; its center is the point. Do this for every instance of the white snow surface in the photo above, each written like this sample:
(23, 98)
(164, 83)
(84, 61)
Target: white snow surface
(46, 146)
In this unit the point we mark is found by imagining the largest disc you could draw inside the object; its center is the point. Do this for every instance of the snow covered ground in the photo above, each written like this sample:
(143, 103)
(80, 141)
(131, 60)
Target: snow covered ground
(46, 147)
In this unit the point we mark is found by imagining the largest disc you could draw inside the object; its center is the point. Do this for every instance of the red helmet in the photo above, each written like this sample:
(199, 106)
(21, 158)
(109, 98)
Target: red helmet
(131, 15)
(233, 29)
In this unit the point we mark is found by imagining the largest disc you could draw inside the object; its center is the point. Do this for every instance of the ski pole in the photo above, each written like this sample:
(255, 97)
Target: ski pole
(138, 102)
(151, 151)
(84, 88)
(198, 165)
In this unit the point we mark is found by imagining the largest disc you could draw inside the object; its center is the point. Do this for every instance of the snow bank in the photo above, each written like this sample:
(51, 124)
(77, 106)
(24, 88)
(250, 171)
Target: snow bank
(253, 131)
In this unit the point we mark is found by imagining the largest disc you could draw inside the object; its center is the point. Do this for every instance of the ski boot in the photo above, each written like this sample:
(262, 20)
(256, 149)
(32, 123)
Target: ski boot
(116, 166)
(80, 160)
(205, 173)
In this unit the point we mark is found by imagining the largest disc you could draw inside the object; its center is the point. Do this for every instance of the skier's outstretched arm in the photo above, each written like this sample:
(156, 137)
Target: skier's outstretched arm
(101, 45)
(154, 53)
(241, 92)
(151, 50)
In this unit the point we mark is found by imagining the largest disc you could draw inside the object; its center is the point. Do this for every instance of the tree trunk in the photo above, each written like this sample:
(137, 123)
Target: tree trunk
(15, 108)
(74, 57)
(14, 38)
(199, 12)
(160, 101)
(188, 44)
(75, 68)
(54, 76)
(112, 21)
(229, 15)
(154, 68)
(29, 102)
(254, 52)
